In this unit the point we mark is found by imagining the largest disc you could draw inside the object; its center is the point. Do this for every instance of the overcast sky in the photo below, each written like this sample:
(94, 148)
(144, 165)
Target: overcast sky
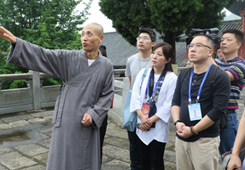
(99, 17)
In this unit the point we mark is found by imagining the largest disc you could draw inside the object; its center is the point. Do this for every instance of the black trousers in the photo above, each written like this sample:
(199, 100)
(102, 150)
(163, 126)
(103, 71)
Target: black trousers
(102, 134)
(151, 156)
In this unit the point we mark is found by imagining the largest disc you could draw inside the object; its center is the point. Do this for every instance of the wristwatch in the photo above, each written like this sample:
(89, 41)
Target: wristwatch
(176, 122)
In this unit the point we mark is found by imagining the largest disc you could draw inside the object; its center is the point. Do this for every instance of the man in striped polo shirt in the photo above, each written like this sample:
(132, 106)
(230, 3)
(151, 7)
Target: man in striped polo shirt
(234, 65)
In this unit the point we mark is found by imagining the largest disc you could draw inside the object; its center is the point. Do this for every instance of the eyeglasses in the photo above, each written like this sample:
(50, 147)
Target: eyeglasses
(142, 38)
(197, 46)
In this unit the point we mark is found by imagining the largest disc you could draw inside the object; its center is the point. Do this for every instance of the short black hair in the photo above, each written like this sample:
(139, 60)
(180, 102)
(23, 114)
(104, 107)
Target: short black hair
(238, 34)
(209, 39)
(149, 31)
(218, 47)
(102, 49)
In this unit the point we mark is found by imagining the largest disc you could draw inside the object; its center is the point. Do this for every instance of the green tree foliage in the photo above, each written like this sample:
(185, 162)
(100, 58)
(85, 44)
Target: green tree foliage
(52, 24)
(169, 18)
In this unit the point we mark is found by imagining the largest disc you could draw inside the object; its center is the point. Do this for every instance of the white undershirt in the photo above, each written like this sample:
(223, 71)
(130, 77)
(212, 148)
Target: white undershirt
(156, 77)
(90, 62)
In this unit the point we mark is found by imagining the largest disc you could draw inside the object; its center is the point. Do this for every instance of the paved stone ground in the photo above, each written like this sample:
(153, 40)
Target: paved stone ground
(25, 140)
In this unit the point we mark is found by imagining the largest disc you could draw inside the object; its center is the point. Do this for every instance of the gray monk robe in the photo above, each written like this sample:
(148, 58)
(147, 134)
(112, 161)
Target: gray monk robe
(85, 89)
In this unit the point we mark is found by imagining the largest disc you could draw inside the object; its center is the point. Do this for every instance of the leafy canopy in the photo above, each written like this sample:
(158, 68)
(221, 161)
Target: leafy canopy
(52, 24)
(169, 18)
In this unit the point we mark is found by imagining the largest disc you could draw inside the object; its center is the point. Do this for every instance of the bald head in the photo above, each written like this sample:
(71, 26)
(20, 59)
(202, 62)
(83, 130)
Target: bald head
(98, 28)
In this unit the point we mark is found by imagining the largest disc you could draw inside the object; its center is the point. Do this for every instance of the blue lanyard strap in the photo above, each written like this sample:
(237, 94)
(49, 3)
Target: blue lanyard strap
(200, 89)
(154, 88)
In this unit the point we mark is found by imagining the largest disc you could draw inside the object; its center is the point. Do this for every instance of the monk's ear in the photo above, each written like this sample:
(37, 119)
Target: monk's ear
(101, 38)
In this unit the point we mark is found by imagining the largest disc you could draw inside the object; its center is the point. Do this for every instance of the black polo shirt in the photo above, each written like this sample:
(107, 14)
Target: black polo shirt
(213, 100)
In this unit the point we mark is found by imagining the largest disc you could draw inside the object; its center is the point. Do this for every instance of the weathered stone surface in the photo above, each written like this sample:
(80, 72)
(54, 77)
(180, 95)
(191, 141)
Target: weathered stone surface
(32, 152)
(19, 123)
(31, 149)
(42, 157)
(5, 150)
(170, 146)
(2, 168)
(38, 167)
(16, 118)
(43, 114)
(1, 122)
(36, 120)
(106, 159)
(115, 165)
(45, 143)
(14, 160)
(115, 141)
(116, 153)
(48, 118)
(114, 130)
(4, 126)
(169, 156)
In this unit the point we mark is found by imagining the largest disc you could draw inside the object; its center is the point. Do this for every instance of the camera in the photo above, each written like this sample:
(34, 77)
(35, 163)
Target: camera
(212, 32)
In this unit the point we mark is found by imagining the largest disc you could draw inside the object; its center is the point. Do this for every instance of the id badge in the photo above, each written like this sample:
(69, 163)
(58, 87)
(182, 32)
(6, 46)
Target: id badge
(195, 112)
(146, 109)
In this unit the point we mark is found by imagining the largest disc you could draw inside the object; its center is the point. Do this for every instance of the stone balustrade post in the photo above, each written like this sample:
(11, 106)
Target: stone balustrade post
(36, 87)
(126, 87)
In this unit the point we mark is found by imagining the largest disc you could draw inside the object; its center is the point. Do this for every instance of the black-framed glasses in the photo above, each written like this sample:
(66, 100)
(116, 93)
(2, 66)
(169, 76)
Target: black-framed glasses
(142, 38)
(197, 46)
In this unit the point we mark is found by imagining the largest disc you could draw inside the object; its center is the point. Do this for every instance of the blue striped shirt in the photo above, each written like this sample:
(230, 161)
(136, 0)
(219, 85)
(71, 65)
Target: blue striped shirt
(236, 67)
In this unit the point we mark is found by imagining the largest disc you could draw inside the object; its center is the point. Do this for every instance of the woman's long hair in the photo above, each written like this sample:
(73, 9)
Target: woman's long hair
(168, 52)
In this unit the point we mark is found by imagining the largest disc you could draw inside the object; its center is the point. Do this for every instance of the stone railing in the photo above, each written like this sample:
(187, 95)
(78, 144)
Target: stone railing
(36, 96)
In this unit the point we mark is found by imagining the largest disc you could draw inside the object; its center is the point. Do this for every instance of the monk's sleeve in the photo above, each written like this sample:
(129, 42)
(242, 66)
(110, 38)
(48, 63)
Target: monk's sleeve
(101, 107)
(34, 57)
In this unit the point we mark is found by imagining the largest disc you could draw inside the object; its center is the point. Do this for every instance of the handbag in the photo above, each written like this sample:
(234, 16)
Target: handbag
(130, 118)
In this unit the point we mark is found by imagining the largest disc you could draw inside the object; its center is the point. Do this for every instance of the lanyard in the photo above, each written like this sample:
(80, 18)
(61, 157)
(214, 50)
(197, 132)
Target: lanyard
(145, 64)
(203, 80)
(155, 86)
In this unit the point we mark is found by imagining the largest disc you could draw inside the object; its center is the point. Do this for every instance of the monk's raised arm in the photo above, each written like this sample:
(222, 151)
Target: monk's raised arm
(7, 35)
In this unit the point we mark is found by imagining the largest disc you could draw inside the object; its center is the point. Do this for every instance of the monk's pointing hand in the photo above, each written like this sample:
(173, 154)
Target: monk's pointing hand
(7, 35)
(87, 119)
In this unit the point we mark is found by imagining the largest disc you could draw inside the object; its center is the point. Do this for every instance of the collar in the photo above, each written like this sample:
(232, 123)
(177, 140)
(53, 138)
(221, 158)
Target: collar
(238, 58)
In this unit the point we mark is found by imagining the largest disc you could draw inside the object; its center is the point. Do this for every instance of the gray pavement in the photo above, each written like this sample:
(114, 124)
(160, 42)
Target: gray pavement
(25, 140)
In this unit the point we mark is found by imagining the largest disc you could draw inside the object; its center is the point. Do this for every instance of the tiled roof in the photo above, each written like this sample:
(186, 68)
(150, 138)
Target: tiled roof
(119, 50)
(236, 24)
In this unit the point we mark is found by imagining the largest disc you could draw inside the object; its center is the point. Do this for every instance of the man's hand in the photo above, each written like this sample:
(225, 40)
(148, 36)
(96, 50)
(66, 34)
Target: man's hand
(186, 132)
(87, 119)
(235, 162)
(179, 126)
(7, 35)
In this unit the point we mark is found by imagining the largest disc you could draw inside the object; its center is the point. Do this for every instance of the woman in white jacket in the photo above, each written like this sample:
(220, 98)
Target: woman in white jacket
(152, 102)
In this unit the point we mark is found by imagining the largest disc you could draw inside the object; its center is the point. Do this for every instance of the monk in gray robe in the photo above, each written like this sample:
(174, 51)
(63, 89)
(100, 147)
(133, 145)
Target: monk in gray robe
(83, 100)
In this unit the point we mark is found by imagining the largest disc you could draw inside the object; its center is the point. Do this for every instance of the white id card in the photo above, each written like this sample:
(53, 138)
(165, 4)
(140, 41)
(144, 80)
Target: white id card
(195, 112)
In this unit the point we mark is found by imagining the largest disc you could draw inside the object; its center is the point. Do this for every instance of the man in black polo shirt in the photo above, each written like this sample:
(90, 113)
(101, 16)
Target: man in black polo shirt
(197, 107)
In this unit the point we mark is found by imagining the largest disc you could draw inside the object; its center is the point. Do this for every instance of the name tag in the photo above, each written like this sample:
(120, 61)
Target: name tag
(146, 109)
(195, 112)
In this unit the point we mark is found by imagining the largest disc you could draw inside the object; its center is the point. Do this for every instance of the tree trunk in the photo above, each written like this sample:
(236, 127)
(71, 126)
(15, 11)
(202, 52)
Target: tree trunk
(170, 38)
